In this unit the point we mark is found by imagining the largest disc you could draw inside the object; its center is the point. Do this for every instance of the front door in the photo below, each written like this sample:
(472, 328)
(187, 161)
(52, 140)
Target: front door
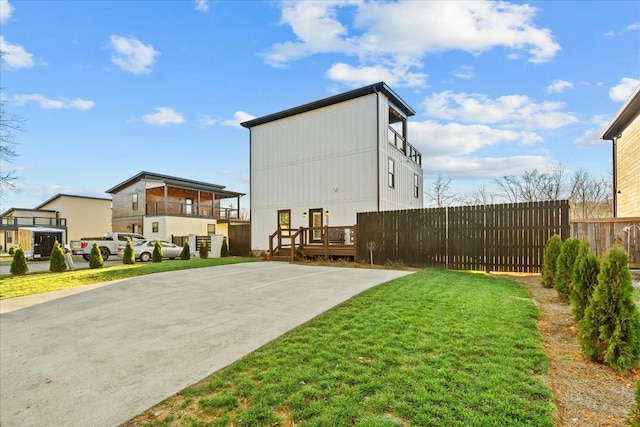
(284, 221)
(315, 224)
(44, 242)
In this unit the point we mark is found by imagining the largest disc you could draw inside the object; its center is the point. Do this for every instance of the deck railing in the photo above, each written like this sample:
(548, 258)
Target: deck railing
(314, 241)
(185, 209)
(13, 222)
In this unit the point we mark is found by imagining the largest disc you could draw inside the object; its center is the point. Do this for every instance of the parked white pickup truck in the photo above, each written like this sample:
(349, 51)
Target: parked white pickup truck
(108, 244)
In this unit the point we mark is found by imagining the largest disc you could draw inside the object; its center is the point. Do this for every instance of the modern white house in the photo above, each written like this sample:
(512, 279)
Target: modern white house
(321, 163)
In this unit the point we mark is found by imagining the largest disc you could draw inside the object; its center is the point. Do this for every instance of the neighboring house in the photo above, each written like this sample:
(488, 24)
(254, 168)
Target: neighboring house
(624, 132)
(321, 163)
(63, 217)
(167, 207)
(86, 216)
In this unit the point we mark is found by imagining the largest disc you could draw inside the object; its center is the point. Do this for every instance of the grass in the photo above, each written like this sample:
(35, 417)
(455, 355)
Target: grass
(432, 348)
(35, 283)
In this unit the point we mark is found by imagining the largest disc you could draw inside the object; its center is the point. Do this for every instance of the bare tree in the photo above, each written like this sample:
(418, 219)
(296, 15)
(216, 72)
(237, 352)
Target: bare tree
(480, 196)
(589, 195)
(534, 185)
(9, 124)
(439, 193)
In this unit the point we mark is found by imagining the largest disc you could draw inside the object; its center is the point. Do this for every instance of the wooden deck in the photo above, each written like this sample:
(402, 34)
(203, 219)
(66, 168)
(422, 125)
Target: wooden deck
(336, 241)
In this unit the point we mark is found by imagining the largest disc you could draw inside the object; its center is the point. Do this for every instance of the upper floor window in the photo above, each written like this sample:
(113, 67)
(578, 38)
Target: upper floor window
(134, 201)
(416, 186)
(392, 173)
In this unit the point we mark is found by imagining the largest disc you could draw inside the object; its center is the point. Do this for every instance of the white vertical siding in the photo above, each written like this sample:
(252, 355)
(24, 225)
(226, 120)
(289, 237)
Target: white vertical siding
(325, 158)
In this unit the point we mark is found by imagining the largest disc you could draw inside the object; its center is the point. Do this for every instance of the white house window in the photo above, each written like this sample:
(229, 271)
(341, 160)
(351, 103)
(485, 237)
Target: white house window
(134, 201)
(392, 173)
(416, 186)
(154, 227)
(211, 229)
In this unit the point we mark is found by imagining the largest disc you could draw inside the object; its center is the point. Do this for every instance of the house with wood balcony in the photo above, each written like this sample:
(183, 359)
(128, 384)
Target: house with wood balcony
(315, 166)
(171, 208)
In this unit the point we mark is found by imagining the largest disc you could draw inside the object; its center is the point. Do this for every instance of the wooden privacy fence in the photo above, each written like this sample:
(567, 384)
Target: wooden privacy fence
(602, 233)
(506, 237)
(240, 239)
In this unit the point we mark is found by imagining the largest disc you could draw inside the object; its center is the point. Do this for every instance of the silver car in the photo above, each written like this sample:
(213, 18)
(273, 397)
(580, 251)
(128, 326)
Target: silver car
(143, 249)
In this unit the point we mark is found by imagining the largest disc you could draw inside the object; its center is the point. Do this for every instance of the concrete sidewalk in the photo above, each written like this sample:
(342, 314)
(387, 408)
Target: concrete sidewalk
(100, 357)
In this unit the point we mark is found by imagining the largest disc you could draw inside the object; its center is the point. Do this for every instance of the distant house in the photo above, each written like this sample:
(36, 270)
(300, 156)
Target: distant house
(63, 217)
(325, 161)
(624, 132)
(167, 207)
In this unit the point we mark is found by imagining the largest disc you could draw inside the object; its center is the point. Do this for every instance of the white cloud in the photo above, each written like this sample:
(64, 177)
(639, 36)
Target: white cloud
(591, 136)
(634, 26)
(558, 86)
(5, 11)
(435, 139)
(164, 116)
(508, 111)
(622, 91)
(54, 104)
(464, 72)
(14, 56)
(206, 120)
(238, 117)
(360, 76)
(482, 167)
(202, 5)
(131, 55)
(401, 33)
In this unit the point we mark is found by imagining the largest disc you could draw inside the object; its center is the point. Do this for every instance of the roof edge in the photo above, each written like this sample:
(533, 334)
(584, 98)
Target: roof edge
(335, 99)
(629, 111)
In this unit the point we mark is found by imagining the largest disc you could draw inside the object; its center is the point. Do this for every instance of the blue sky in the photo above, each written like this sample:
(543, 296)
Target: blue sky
(111, 88)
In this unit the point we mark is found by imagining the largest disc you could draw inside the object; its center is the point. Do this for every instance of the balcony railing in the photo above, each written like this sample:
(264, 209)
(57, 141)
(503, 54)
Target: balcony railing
(194, 210)
(401, 144)
(12, 222)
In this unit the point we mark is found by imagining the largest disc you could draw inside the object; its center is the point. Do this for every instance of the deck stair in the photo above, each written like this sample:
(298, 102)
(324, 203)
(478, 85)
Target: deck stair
(336, 241)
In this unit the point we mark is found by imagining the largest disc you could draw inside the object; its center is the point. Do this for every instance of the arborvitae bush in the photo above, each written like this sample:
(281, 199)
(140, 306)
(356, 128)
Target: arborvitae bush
(564, 267)
(157, 252)
(204, 250)
(610, 329)
(129, 256)
(584, 280)
(56, 259)
(224, 250)
(95, 259)
(19, 262)
(551, 252)
(186, 252)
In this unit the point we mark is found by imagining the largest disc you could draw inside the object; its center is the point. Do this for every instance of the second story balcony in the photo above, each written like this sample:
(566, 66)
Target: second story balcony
(191, 210)
(15, 222)
(401, 144)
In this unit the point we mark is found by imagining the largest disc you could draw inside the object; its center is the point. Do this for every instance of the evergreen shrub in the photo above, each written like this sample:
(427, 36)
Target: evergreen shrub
(551, 252)
(157, 252)
(564, 267)
(95, 259)
(19, 262)
(186, 252)
(224, 250)
(129, 256)
(584, 280)
(56, 259)
(204, 250)
(610, 329)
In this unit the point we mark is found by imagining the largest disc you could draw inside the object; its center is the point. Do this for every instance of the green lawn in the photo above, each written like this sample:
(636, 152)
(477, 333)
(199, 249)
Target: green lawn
(436, 348)
(35, 283)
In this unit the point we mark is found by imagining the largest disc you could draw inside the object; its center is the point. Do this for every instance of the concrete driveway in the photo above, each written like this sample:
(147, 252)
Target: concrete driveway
(100, 357)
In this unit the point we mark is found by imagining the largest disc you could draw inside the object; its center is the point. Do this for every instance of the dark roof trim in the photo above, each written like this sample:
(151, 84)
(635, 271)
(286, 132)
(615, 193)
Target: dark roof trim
(627, 114)
(367, 90)
(70, 195)
(175, 181)
(5, 213)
